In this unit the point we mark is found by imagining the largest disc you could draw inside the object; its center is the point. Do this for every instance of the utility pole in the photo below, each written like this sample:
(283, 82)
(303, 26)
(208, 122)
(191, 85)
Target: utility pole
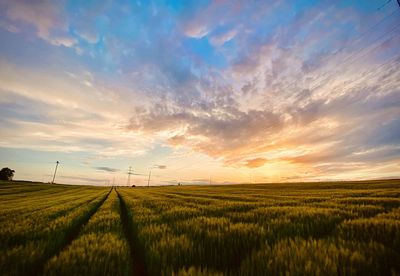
(161, 167)
(148, 180)
(55, 171)
(129, 176)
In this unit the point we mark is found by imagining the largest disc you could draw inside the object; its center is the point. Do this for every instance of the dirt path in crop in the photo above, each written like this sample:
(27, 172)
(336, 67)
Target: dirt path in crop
(130, 230)
(71, 235)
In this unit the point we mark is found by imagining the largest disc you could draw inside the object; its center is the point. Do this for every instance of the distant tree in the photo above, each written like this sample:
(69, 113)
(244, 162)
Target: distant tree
(6, 174)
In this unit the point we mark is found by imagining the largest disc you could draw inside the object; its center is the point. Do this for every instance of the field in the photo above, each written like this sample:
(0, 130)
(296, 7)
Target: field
(348, 228)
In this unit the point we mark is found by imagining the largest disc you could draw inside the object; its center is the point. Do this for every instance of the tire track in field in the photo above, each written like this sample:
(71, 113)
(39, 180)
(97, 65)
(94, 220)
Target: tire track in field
(71, 235)
(130, 230)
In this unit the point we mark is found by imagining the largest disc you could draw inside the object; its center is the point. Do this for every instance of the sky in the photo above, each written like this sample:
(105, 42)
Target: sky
(200, 92)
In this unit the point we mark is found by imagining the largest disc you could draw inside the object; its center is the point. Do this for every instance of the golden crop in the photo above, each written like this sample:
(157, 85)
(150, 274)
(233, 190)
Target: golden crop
(302, 229)
(271, 229)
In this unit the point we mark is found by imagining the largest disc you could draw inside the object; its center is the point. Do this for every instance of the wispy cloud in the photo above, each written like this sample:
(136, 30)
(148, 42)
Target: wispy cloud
(106, 169)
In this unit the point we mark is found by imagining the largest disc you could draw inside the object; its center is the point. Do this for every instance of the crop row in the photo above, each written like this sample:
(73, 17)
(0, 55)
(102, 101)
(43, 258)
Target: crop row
(29, 239)
(213, 230)
(300, 229)
(100, 248)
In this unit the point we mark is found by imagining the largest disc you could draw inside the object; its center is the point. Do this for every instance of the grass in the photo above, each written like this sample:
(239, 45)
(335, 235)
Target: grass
(337, 228)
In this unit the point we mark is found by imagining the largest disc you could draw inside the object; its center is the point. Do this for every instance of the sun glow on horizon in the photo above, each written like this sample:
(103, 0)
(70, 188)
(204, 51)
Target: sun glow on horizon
(217, 91)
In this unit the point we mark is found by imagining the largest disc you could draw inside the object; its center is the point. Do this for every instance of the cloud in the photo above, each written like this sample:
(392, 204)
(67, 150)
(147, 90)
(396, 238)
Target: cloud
(322, 124)
(298, 84)
(9, 27)
(46, 16)
(176, 140)
(63, 41)
(42, 14)
(217, 132)
(140, 174)
(58, 116)
(196, 31)
(255, 163)
(106, 169)
(218, 40)
(90, 37)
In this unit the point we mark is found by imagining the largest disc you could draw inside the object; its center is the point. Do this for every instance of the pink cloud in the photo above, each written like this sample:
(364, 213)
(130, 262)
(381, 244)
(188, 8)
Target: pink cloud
(46, 16)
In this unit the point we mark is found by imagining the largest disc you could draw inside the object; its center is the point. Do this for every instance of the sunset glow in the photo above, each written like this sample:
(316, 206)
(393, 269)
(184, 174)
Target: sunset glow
(200, 91)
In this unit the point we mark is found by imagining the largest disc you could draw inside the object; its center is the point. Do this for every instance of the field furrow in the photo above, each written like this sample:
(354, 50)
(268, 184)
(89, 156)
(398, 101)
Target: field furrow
(99, 248)
(30, 241)
(130, 231)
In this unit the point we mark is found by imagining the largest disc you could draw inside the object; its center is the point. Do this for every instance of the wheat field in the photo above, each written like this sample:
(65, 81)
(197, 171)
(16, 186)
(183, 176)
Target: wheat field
(333, 228)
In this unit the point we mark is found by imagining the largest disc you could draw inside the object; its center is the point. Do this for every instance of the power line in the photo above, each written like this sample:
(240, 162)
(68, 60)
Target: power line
(361, 55)
(352, 61)
(375, 41)
(368, 31)
(371, 71)
(384, 5)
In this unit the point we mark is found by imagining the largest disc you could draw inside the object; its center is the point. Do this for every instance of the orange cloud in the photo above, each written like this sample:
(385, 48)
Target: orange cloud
(255, 163)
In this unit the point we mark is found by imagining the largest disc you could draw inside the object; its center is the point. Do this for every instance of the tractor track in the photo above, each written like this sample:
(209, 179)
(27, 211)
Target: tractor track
(131, 235)
(71, 235)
